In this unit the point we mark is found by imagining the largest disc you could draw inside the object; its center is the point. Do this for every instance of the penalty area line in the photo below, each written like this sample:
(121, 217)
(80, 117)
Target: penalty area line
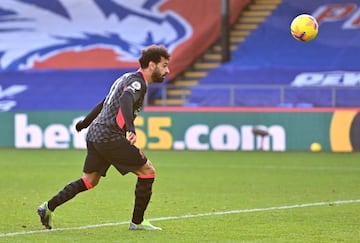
(304, 205)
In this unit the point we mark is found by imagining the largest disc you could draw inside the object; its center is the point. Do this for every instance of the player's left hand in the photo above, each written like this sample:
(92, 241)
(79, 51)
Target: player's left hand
(131, 137)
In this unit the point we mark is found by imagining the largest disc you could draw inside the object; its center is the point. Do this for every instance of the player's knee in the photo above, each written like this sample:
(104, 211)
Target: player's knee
(150, 168)
(146, 171)
(90, 181)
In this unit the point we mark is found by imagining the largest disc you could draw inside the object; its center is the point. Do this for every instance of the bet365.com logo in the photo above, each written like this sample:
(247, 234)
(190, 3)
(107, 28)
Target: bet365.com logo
(345, 131)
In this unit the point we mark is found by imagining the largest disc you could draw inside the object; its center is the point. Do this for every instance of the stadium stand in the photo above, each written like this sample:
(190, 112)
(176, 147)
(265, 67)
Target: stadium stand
(270, 68)
(62, 63)
(70, 52)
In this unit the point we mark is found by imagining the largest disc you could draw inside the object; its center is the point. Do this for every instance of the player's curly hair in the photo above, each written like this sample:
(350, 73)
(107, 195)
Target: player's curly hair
(153, 53)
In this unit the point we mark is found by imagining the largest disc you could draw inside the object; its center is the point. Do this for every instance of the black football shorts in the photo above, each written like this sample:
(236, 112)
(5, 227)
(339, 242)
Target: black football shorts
(121, 154)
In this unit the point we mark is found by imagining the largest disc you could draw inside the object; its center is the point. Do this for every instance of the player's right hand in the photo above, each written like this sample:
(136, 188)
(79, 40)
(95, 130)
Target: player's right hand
(79, 126)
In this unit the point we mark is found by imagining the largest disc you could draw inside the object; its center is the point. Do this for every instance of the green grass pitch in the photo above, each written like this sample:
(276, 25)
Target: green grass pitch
(197, 197)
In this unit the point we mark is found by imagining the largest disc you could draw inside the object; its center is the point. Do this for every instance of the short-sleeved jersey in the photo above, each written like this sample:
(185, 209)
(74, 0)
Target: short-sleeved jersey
(105, 127)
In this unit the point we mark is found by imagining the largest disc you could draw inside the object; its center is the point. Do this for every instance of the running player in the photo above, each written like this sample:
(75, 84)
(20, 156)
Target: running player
(111, 139)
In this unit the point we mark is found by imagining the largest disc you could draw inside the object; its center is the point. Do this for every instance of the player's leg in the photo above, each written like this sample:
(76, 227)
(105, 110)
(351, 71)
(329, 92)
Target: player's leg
(86, 182)
(143, 192)
(94, 167)
(128, 158)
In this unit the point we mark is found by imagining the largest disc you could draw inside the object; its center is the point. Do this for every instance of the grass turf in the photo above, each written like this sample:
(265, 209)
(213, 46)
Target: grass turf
(188, 184)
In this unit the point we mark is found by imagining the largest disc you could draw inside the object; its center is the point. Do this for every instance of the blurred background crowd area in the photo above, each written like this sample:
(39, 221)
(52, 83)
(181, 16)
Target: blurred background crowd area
(64, 55)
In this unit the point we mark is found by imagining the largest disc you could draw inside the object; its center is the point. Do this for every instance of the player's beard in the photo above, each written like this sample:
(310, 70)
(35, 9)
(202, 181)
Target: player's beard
(156, 76)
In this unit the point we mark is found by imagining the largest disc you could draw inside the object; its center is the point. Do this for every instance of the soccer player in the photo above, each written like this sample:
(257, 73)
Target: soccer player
(111, 139)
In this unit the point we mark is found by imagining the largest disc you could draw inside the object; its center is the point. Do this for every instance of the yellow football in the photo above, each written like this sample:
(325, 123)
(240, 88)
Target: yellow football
(304, 27)
(315, 147)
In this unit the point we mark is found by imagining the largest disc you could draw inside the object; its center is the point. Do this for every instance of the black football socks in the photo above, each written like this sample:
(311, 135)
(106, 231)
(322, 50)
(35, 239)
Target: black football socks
(68, 192)
(143, 193)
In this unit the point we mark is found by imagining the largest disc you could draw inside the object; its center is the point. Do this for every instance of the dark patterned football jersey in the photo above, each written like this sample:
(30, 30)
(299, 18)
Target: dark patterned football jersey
(109, 124)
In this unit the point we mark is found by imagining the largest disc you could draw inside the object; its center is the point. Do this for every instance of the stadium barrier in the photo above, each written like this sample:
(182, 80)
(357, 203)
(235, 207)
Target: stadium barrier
(198, 128)
(262, 95)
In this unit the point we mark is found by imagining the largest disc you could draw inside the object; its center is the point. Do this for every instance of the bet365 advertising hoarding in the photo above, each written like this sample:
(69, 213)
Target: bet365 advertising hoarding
(229, 129)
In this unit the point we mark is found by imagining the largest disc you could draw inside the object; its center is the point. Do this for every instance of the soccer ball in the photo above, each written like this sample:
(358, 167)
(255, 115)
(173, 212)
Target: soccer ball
(315, 147)
(304, 27)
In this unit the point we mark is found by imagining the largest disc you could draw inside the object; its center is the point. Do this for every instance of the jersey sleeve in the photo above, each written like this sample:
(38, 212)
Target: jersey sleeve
(135, 88)
(90, 117)
(132, 93)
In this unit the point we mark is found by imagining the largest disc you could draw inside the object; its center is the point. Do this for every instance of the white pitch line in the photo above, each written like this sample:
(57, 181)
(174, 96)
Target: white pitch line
(185, 217)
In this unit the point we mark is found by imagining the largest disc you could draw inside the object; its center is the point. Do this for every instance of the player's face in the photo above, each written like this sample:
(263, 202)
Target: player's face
(160, 71)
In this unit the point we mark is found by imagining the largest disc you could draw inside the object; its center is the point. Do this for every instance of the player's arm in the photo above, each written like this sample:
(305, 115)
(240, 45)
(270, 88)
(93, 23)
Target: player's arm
(125, 117)
(132, 93)
(90, 117)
